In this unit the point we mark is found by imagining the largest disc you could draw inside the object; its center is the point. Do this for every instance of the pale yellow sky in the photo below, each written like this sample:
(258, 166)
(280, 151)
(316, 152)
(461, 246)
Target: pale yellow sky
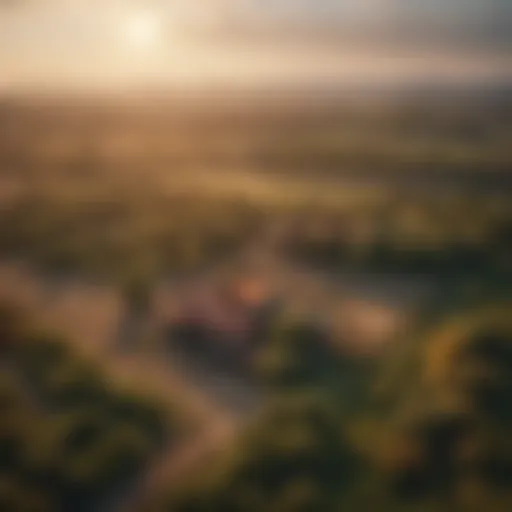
(96, 44)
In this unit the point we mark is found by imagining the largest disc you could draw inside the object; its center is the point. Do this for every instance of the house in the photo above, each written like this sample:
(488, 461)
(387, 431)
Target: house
(223, 324)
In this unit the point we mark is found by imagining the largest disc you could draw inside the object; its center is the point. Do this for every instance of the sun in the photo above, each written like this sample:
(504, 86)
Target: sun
(142, 29)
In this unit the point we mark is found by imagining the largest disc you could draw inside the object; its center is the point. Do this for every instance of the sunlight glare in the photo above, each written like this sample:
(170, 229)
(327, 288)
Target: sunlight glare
(143, 29)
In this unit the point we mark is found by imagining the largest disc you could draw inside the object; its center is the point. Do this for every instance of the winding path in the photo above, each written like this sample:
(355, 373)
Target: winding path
(90, 316)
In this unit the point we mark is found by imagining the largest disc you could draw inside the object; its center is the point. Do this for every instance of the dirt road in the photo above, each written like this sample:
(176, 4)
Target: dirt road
(90, 316)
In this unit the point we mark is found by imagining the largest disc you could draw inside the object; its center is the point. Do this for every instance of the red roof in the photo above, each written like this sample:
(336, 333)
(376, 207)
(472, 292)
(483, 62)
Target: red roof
(214, 311)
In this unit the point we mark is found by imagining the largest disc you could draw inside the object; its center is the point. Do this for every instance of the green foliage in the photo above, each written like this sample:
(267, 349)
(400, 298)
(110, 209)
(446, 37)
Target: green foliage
(295, 458)
(436, 440)
(301, 356)
(447, 436)
(294, 356)
(68, 438)
(405, 237)
(128, 239)
(12, 325)
(435, 434)
(15, 496)
(136, 291)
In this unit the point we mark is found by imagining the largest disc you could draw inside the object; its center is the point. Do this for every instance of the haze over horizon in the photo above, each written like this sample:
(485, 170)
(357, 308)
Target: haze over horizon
(131, 45)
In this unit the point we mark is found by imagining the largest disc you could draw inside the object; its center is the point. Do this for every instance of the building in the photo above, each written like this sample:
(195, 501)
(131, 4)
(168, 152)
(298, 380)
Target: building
(223, 324)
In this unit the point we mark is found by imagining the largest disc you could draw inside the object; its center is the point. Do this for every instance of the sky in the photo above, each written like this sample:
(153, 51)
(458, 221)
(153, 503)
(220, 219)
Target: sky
(137, 44)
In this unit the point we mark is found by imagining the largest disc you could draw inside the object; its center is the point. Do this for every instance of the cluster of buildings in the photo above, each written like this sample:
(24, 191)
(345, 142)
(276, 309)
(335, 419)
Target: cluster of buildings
(223, 323)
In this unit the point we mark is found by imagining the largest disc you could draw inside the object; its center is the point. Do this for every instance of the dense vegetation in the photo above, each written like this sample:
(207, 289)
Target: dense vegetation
(299, 356)
(122, 236)
(466, 136)
(68, 438)
(445, 237)
(432, 434)
(122, 192)
(117, 196)
(295, 458)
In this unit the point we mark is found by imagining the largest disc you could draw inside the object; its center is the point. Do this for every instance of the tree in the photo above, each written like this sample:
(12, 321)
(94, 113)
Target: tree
(12, 326)
(449, 429)
(137, 294)
(295, 458)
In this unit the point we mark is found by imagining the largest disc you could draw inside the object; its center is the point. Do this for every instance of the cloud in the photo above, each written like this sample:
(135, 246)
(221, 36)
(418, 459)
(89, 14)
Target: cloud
(12, 3)
(465, 21)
